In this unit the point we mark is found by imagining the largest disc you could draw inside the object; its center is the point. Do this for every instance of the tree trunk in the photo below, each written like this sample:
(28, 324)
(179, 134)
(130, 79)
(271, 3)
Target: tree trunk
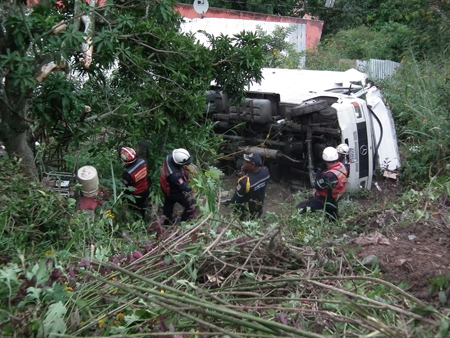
(17, 145)
(14, 129)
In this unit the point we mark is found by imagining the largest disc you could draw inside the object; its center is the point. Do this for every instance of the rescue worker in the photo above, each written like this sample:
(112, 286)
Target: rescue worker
(175, 185)
(251, 188)
(136, 176)
(329, 186)
(343, 150)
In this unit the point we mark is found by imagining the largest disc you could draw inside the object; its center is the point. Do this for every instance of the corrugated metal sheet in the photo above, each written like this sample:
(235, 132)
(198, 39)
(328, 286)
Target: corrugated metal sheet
(377, 69)
(298, 38)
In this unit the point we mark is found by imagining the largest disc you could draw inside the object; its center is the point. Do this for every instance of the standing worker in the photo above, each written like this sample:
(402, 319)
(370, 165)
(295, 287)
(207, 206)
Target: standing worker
(343, 150)
(136, 176)
(329, 185)
(175, 184)
(251, 188)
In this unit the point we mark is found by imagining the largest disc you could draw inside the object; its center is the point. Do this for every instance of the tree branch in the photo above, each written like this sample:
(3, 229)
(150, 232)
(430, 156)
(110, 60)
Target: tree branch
(152, 48)
(33, 45)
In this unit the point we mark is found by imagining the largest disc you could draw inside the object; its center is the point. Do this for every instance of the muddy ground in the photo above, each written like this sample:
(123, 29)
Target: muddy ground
(409, 248)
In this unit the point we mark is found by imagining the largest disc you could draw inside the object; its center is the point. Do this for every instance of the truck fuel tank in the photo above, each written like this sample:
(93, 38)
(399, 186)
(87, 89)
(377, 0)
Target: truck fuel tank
(253, 110)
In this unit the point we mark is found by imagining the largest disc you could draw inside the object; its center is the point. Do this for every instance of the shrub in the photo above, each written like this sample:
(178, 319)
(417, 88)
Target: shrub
(419, 97)
(30, 215)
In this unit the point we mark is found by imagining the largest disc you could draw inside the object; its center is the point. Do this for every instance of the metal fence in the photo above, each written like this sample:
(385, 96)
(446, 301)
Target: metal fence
(377, 69)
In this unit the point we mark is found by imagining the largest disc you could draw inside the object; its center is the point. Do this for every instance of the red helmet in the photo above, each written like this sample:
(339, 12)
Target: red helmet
(128, 155)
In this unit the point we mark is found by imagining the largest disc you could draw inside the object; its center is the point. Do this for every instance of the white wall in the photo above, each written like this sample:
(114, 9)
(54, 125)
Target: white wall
(217, 26)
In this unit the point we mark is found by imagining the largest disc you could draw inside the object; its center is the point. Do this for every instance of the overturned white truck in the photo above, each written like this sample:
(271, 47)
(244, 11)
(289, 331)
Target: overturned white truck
(293, 115)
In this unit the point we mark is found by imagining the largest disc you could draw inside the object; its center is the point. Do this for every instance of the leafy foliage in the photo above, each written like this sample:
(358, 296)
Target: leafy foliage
(232, 62)
(417, 25)
(31, 217)
(363, 43)
(146, 81)
(418, 96)
(278, 52)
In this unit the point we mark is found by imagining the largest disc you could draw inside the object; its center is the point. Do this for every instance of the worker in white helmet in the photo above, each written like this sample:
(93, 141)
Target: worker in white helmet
(175, 185)
(343, 150)
(330, 186)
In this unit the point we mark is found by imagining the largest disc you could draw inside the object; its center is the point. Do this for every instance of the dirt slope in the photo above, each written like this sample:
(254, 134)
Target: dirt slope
(414, 250)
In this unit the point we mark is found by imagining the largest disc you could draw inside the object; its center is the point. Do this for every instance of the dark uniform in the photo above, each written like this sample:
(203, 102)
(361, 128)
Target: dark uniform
(346, 164)
(329, 185)
(250, 193)
(174, 183)
(136, 176)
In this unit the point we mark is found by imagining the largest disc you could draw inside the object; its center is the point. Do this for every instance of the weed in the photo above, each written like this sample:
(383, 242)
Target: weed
(439, 285)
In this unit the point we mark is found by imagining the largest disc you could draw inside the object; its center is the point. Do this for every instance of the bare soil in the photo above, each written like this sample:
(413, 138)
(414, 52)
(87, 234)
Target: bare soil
(417, 250)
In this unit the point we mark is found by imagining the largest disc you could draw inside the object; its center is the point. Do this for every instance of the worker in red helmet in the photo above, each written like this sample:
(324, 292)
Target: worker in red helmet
(329, 186)
(136, 177)
(175, 185)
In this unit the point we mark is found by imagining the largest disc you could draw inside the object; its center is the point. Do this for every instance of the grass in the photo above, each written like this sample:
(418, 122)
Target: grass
(285, 275)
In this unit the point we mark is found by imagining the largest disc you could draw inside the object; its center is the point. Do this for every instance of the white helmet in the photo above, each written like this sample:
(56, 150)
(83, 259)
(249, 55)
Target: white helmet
(343, 148)
(181, 156)
(330, 154)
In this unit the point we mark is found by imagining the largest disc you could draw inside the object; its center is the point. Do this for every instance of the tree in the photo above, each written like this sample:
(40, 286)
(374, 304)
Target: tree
(279, 52)
(422, 24)
(70, 69)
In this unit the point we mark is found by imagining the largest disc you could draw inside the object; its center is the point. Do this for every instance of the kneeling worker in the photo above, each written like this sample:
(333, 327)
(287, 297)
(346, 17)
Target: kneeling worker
(329, 185)
(251, 188)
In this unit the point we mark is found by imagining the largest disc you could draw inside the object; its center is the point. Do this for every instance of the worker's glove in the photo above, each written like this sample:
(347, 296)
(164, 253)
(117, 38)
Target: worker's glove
(226, 202)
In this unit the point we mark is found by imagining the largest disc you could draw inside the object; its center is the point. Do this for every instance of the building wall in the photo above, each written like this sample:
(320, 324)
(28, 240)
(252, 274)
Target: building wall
(229, 22)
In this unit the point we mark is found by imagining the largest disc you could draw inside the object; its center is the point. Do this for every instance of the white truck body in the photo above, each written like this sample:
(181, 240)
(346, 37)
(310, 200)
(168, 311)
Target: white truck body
(296, 113)
(362, 132)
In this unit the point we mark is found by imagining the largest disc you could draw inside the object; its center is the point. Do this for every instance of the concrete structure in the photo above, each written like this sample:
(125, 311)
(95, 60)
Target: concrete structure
(217, 21)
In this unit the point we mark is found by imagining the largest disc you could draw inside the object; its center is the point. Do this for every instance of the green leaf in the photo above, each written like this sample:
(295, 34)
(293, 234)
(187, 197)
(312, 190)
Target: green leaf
(53, 322)
(33, 293)
(214, 173)
(424, 311)
(40, 273)
(445, 324)
(442, 297)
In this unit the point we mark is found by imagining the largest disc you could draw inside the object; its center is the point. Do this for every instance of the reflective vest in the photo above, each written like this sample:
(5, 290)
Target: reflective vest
(169, 168)
(138, 172)
(338, 169)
